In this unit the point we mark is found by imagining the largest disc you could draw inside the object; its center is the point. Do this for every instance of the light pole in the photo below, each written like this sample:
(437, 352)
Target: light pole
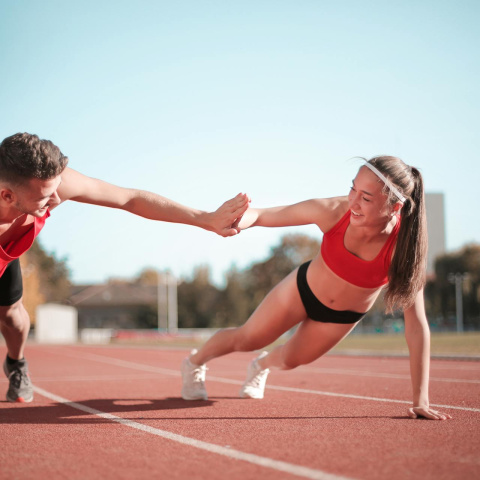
(172, 304)
(457, 279)
(167, 304)
(162, 306)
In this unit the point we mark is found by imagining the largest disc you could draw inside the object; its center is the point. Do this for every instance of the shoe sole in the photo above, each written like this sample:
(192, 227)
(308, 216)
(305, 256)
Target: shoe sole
(243, 394)
(188, 397)
(20, 400)
(194, 398)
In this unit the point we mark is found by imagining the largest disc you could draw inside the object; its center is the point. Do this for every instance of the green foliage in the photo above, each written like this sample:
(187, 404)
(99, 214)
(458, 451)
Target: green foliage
(200, 304)
(440, 291)
(197, 300)
(146, 317)
(260, 278)
(233, 306)
(148, 276)
(53, 273)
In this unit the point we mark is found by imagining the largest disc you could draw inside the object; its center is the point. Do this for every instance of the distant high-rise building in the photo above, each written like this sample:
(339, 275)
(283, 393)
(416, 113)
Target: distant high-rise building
(435, 207)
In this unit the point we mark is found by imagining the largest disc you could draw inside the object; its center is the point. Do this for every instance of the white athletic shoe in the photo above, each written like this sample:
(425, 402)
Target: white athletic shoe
(254, 385)
(193, 380)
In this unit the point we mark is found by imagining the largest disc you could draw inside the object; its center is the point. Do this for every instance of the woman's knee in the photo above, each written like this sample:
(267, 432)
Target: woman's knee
(293, 359)
(289, 363)
(247, 341)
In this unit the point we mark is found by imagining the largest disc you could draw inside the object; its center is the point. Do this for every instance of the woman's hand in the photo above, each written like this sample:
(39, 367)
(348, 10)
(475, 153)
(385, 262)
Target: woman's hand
(427, 412)
(224, 221)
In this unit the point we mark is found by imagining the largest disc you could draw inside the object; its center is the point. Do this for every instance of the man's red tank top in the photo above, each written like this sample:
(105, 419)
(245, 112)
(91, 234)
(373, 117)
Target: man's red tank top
(20, 245)
(349, 267)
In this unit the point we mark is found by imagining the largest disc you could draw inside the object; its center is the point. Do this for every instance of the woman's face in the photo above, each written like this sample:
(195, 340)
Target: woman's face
(368, 204)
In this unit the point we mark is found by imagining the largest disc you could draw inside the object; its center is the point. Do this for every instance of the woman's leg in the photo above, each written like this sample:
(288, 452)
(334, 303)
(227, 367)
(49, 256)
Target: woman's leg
(280, 310)
(311, 340)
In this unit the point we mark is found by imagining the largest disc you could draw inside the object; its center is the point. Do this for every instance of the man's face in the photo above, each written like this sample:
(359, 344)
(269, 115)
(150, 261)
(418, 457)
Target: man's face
(36, 196)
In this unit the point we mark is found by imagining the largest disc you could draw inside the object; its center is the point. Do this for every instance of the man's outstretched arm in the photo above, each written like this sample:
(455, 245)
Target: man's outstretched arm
(80, 188)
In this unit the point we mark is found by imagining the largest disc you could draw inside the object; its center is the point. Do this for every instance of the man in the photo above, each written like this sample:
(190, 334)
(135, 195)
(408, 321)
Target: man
(34, 179)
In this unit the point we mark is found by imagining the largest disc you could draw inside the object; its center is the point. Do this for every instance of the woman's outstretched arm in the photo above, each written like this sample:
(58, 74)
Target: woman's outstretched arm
(317, 211)
(417, 334)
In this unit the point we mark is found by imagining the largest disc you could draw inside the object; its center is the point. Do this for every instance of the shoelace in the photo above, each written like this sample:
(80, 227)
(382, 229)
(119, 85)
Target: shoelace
(258, 378)
(199, 374)
(16, 377)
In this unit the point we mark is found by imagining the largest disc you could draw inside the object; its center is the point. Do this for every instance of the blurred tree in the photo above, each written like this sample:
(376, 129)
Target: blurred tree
(200, 304)
(203, 305)
(293, 250)
(440, 292)
(32, 296)
(147, 317)
(233, 305)
(198, 300)
(45, 278)
(53, 273)
(148, 276)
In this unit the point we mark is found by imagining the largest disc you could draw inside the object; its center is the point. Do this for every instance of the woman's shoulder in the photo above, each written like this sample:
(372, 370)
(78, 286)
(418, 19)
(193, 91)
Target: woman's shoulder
(333, 210)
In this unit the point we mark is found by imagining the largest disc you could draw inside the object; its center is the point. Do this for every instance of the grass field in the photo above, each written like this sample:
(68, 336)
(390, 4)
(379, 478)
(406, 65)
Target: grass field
(467, 344)
(441, 343)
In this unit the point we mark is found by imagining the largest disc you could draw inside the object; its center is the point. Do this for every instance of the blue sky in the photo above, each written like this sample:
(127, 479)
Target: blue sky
(199, 100)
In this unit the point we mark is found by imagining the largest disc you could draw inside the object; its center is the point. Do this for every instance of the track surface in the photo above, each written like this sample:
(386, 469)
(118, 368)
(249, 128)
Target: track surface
(116, 412)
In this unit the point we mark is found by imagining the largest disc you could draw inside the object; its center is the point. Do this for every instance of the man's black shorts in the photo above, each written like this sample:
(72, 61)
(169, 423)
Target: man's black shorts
(11, 285)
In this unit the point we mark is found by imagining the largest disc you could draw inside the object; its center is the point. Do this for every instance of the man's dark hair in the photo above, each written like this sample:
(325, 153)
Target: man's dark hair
(24, 156)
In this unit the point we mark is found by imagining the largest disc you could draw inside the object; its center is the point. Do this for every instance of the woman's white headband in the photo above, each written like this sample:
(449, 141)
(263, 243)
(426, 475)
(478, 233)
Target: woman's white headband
(386, 181)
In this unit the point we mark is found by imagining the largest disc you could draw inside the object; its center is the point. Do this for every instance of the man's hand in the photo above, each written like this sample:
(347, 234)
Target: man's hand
(224, 221)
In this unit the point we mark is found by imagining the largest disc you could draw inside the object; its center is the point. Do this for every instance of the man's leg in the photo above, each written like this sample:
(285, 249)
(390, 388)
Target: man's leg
(15, 325)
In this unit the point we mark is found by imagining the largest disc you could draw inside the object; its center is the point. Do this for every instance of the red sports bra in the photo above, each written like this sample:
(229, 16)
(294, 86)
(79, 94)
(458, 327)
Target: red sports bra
(362, 273)
(20, 245)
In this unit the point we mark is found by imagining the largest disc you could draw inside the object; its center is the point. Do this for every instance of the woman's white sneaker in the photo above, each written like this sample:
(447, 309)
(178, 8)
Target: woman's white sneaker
(193, 377)
(254, 385)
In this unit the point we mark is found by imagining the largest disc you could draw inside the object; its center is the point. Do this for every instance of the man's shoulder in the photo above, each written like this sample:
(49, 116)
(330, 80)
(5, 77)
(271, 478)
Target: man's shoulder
(69, 185)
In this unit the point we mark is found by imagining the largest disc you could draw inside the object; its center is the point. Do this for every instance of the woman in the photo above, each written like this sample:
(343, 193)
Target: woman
(374, 238)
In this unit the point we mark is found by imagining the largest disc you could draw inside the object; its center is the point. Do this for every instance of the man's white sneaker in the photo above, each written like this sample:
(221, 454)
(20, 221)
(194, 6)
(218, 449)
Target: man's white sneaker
(254, 385)
(193, 380)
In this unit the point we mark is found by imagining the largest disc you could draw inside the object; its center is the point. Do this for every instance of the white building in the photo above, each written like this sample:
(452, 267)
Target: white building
(435, 207)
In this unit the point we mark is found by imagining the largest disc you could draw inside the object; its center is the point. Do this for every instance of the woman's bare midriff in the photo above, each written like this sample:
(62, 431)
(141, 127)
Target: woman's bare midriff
(336, 293)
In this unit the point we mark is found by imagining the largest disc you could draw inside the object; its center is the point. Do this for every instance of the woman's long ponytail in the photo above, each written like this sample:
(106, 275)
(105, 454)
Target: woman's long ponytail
(408, 267)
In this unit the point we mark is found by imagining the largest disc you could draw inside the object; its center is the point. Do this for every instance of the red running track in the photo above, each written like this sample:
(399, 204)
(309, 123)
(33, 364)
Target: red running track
(116, 413)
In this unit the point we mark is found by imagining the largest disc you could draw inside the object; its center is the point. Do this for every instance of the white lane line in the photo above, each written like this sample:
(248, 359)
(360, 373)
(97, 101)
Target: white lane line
(340, 371)
(342, 395)
(455, 367)
(266, 462)
(138, 366)
(95, 378)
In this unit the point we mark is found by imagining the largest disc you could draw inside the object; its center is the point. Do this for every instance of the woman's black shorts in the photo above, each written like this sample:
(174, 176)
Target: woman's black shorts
(316, 310)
